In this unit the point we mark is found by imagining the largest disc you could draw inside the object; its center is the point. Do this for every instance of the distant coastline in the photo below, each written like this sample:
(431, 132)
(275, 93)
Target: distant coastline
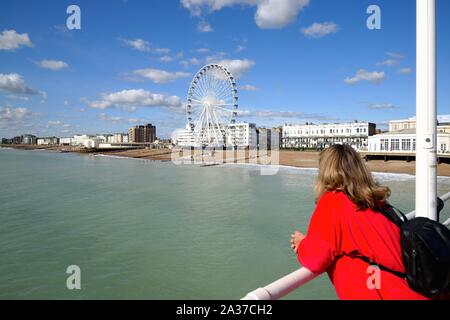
(287, 158)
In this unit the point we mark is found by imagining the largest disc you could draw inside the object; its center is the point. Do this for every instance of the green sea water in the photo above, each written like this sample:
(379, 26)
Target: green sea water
(153, 230)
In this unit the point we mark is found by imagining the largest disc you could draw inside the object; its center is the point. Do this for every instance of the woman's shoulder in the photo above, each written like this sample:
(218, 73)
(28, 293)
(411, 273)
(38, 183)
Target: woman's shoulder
(336, 195)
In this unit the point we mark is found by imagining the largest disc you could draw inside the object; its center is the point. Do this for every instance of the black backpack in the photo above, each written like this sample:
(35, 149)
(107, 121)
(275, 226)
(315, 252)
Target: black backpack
(425, 248)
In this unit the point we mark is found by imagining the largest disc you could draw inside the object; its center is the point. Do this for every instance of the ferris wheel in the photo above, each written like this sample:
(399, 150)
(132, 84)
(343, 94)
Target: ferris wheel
(212, 105)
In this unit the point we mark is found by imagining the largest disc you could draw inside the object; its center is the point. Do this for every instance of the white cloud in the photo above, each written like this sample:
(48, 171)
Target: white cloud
(248, 87)
(272, 114)
(15, 116)
(160, 76)
(276, 14)
(116, 119)
(203, 50)
(363, 75)
(168, 58)
(107, 118)
(237, 67)
(52, 65)
(129, 100)
(379, 106)
(204, 27)
(395, 55)
(240, 48)
(405, 70)
(14, 83)
(319, 30)
(138, 44)
(270, 14)
(161, 50)
(388, 63)
(11, 40)
(54, 123)
(190, 62)
(16, 97)
(215, 57)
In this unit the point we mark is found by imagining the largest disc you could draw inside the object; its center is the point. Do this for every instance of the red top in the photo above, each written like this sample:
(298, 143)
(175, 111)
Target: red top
(337, 229)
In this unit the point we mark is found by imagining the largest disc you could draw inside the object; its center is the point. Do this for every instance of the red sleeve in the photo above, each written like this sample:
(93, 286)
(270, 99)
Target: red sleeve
(321, 245)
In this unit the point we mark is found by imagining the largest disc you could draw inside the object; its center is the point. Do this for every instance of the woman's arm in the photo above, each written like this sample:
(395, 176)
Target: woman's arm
(320, 247)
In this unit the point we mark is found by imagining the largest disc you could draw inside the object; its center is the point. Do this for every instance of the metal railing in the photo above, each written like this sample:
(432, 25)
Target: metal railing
(282, 287)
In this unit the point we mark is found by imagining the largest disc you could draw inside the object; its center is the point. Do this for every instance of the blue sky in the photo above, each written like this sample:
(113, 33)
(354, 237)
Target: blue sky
(296, 61)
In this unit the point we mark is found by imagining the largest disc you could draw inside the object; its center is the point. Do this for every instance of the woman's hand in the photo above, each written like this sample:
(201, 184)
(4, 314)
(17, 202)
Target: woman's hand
(296, 238)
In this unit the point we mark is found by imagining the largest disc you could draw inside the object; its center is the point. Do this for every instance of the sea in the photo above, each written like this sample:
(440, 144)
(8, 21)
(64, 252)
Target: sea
(142, 229)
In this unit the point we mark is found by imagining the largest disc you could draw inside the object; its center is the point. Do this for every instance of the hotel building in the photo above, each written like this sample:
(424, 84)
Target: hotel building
(238, 135)
(242, 135)
(142, 134)
(320, 136)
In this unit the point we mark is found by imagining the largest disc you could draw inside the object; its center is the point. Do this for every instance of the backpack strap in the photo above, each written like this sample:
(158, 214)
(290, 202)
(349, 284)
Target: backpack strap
(380, 266)
(392, 214)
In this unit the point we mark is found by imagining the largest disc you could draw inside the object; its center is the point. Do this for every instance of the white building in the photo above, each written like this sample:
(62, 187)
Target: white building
(87, 141)
(242, 135)
(65, 141)
(47, 141)
(404, 124)
(404, 141)
(118, 138)
(398, 125)
(239, 135)
(319, 136)
(183, 137)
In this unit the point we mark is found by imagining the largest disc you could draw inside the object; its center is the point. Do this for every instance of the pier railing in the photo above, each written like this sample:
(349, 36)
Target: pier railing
(284, 286)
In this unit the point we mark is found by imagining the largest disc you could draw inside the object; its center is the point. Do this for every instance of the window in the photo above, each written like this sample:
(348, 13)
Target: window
(406, 144)
(414, 144)
(395, 145)
(384, 145)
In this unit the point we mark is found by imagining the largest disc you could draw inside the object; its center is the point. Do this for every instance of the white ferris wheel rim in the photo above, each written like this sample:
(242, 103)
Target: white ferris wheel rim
(212, 104)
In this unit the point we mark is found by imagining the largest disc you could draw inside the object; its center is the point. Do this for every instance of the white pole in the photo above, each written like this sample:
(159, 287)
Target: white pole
(426, 160)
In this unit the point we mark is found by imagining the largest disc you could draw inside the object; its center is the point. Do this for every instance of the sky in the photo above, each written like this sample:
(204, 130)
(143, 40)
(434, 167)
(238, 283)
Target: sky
(132, 62)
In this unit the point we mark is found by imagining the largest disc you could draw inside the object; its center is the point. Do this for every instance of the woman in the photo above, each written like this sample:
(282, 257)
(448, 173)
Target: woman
(346, 225)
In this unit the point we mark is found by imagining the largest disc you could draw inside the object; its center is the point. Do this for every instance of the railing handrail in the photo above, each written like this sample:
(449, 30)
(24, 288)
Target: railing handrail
(297, 279)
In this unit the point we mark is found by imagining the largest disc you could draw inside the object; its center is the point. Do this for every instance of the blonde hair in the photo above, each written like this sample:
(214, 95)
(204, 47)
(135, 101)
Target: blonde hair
(342, 169)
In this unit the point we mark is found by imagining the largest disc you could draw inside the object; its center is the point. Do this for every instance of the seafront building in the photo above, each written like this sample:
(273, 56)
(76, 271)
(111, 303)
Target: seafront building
(117, 138)
(47, 141)
(443, 125)
(404, 142)
(320, 136)
(237, 135)
(242, 135)
(401, 138)
(142, 134)
(29, 139)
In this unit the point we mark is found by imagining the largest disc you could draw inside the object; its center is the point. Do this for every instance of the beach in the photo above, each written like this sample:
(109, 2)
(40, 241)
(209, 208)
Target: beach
(288, 158)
